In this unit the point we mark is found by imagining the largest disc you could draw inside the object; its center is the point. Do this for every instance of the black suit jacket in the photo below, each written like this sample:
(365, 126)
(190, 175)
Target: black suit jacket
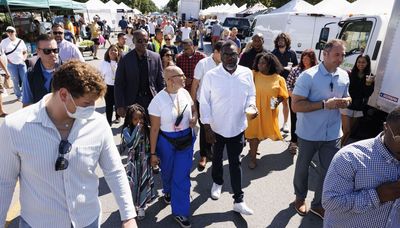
(126, 87)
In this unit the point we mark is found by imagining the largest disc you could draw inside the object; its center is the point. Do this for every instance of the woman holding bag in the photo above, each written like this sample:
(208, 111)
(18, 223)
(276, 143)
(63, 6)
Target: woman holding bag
(172, 116)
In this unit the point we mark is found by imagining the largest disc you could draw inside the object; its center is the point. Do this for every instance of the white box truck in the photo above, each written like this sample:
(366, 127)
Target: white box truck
(379, 37)
(188, 9)
(303, 28)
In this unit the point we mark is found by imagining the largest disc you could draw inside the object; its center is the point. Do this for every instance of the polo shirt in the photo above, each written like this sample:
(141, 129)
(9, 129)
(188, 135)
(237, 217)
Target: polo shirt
(315, 84)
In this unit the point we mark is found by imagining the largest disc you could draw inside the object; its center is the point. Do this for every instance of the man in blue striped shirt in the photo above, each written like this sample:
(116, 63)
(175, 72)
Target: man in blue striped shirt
(362, 187)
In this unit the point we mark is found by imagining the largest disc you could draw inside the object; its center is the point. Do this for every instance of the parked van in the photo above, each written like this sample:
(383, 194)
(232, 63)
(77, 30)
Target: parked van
(304, 29)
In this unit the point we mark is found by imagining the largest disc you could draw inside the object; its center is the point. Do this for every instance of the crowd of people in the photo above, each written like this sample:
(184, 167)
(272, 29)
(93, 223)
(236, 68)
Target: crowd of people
(159, 81)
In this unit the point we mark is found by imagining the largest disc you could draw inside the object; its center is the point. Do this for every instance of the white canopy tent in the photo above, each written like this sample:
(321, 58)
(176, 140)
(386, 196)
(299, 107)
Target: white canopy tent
(97, 7)
(128, 9)
(222, 11)
(371, 7)
(114, 7)
(332, 7)
(295, 6)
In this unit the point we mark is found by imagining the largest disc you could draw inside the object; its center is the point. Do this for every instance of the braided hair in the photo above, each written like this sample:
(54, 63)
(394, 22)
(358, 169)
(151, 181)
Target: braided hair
(131, 110)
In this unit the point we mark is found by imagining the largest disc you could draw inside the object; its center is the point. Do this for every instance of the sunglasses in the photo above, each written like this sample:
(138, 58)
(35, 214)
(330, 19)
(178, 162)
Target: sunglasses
(167, 39)
(58, 33)
(142, 41)
(63, 148)
(396, 138)
(10, 31)
(48, 51)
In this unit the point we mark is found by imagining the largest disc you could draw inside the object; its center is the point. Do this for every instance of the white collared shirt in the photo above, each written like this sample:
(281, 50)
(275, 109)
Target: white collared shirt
(29, 149)
(202, 67)
(224, 98)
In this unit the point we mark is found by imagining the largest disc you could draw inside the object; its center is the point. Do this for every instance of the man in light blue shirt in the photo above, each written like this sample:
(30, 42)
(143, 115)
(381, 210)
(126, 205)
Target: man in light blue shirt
(362, 187)
(318, 94)
(68, 50)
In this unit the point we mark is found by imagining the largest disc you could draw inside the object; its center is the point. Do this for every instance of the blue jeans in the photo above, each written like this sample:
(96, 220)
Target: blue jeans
(18, 75)
(24, 224)
(326, 150)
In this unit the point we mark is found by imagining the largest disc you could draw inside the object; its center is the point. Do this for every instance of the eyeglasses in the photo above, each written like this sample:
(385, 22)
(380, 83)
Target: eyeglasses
(10, 31)
(57, 33)
(142, 41)
(48, 51)
(178, 75)
(396, 138)
(63, 148)
(167, 39)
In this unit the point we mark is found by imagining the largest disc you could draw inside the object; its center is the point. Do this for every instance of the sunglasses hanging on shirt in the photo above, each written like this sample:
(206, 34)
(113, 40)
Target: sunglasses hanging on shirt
(180, 117)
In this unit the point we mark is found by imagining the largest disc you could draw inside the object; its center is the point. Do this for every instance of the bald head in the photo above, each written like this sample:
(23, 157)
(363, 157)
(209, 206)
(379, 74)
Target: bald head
(172, 71)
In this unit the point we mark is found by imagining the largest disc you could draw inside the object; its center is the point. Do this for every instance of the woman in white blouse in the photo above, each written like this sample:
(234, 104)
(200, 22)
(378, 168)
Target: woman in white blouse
(108, 68)
(172, 116)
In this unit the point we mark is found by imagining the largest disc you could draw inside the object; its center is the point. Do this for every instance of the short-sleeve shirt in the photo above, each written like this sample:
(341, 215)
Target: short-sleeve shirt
(17, 56)
(166, 106)
(185, 33)
(317, 84)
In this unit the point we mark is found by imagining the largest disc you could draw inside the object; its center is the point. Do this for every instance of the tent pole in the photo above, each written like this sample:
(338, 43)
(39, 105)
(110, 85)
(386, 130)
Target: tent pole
(9, 13)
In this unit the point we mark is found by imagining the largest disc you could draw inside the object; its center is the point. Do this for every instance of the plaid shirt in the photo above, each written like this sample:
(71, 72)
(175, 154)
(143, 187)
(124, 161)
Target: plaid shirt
(291, 79)
(187, 64)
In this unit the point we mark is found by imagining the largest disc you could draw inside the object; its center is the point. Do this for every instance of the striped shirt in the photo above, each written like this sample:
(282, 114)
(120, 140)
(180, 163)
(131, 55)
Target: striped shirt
(29, 148)
(349, 194)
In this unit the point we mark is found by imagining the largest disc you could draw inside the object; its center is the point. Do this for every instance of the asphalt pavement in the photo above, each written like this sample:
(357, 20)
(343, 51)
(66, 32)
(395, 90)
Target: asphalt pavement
(268, 189)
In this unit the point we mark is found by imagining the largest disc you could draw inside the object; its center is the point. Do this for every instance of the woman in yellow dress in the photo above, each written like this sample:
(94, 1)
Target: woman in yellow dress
(270, 91)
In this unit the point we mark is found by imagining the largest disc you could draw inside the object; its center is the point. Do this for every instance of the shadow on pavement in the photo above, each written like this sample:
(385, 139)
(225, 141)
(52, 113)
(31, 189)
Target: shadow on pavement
(283, 217)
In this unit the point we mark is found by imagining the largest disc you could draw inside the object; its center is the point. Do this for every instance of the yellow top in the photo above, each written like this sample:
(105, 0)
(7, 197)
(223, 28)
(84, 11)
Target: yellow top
(266, 124)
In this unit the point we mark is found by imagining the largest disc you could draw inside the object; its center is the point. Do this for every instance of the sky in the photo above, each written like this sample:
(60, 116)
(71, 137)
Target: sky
(160, 3)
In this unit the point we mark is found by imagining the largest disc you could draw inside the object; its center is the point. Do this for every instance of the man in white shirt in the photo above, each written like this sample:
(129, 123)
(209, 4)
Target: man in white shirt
(169, 29)
(67, 50)
(53, 148)
(226, 92)
(186, 31)
(15, 50)
(202, 67)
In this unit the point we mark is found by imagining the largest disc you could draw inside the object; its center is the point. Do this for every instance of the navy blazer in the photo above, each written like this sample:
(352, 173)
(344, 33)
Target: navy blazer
(126, 87)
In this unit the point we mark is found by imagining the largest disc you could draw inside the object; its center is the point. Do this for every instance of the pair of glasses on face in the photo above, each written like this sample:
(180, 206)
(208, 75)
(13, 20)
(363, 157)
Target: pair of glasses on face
(58, 33)
(48, 51)
(10, 31)
(142, 41)
(63, 148)
(167, 39)
(396, 138)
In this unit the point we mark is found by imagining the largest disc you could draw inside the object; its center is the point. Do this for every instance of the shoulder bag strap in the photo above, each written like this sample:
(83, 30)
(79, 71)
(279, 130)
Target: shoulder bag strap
(10, 52)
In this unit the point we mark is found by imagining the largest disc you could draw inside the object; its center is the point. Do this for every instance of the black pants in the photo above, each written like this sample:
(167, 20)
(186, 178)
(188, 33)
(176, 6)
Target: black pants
(234, 147)
(293, 120)
(205, 148)
(110, 102)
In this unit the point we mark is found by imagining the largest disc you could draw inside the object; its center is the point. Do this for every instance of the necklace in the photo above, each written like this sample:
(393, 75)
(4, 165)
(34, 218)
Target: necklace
(173, 102)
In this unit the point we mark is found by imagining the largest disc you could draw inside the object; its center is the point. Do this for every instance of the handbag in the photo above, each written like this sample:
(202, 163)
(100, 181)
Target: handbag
(180, 143)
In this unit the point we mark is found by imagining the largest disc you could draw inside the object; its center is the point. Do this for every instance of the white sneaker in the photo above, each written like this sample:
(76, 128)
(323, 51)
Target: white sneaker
(285, 128)
(216, 191)
(242, 208)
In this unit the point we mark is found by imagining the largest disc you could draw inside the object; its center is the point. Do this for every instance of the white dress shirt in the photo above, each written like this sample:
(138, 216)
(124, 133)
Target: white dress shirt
(185, 33)
(224, 98)
(166, 106)
(50, 198)
(17, 57)
(202, 67)
(107, 70)
(69, 51)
